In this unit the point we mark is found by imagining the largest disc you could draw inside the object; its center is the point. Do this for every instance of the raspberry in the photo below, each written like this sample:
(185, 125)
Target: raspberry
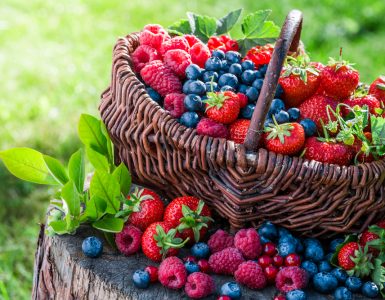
(172, 273)
(177, 42)
(153, 271)
(153, 35)
(248, 242)
(174, 103)
(191, 39)
(199, 285)
(211, 128)
(220, 239)
(199, 54)
(142, 55)
(243, 100)
(161, 78)
(291, 278)
(177, 60)
(251, 275)
(128, 240)
(226, 262)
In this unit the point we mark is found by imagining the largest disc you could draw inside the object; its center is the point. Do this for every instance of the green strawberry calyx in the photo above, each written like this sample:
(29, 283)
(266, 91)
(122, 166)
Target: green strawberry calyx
(299, 66)
(279, 131)
(166, 241)
(338, 64)
(363, 265)
(215, 100)
(133, 203)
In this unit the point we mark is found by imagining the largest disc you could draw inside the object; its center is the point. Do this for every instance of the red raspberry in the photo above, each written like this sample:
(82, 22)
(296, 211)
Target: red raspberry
(279, 297)
(174, 103)
(291, 278)
(226, 262)
(177, 60)
(204, 266)
(248, 242)
(153, 271)
(191, 39)
(251, 275)
(128, 240)
(220, 239)
(199, 54)
(177, 42)
(199, 285)
(153, 35)
(211, 128)
(172, 273)
(271, 273)
(143, 55)
(161, 78)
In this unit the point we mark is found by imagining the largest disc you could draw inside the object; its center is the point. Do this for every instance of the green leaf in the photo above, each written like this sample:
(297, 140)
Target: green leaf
(252, 24)
(99, 161)
(180, 27)
(226, 23)
(71, 198)
(110, 238)
(123, 176)
(378, 274)
(378, 130)
(76, 169)
(110, 151)
(105, 186)
(202, 26)
(58, 227)
(90, 133)
(56, 168)
(27, 164)
(109, 224)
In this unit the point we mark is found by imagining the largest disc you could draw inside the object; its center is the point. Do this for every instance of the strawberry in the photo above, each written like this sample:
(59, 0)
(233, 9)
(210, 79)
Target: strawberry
(238, 130)
(222, 107)
(161, 240)
(361, 149)
(190, 216)
(377, 89)
(355, 260)
(260, 55)
(299, 80)
(369, 100)
(366, 237)
(287, 138)
(243, 100)
(223, 42)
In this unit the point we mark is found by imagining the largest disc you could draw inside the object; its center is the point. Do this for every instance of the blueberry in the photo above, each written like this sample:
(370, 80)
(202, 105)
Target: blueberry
(248, 65)
(340, 274)
(334, 243)
(269, 230)
(218, 53)
(92, 247)
(252, 94)
(296, 295)
(186, 86)
(236, 69)
(324, 266)
(258, 75)
(282, 231)
(293, 113)
(193, 72)
(212, 86)
(286, 248)
(231, 289)
(288, 238)
(213, 64)
(191, 267)
(225, 66)
(324, 282)
(193, 102)
(189, 119)
(141, 279)
(353, 284)
(370, 290)
(310, 267)
(309, 127)
(247, 111)
(282, 117)
(242, 88)
(264, 240)
(299, 248)
(268, 122)
(154, 95)
(227, 88)
(314, 252)
(200, 250)
(276, 106)
(263, 69)
(248, 76)
(278, 91)
(258, 84)
(197, 87)
(228, 79)
(311, 241)
(342, 293)
(233, 57)
(210, 76)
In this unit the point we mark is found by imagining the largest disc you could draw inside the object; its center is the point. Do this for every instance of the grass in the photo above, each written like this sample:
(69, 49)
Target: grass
(55, 62)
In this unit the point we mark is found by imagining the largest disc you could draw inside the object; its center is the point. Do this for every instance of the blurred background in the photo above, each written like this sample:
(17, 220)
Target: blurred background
(55, 59)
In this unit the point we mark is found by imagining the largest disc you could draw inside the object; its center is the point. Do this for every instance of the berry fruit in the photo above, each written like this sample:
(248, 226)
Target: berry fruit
(269, 249)
(193, 72)
(220, 240)
(251, 275)
(286, 138)
(226, 262)
(211, 128)
(291, 278)
(354, 284)
(92, 247)
(191, 267)
(231, 289)
(199, 285)
(296, 295)
(204, 266)
(172, 273)
(325, 282)
(128, 240)
(141, 279)
(153, 272)
(309, 127)
(200, 250)
(189, 119)
(271, 273)
(342, 293)
(370, 289)
(292, 260)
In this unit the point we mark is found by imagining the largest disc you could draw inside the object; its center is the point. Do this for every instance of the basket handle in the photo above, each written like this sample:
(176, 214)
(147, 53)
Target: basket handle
(287, 41)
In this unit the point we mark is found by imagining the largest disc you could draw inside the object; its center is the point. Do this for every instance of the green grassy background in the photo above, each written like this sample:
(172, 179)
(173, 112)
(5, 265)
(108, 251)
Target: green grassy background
(55, 59)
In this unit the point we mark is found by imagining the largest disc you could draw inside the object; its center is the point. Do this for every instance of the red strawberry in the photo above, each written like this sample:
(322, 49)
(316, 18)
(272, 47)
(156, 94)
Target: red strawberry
(238, 130)
(287, 138)
(299, 80)
(366, 237)
(355, 260)
(346, 254)
(377, 89)
(370, 101)
(146, 207)
(190, 216)
(215, 42)
(243, 100)
(160, 240)
(222, 107)
(260, 55)
(361, 148)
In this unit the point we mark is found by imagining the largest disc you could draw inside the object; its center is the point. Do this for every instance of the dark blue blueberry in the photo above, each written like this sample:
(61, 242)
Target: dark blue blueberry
(236, 69)
(296, 295)
(264, 240)
(258, 75)
(334, 243)
(225, 66)
(233, 57)
(247, 111)
(191, 267)
(200, 250)
(154, 95)
(286, 248)
(276, 106)
(141, 279)
(263, 69)
(213, 64)
(314, 252)
(252, 94)
(370, 290)
(324, 282)
(212, 86)
(218, 53)
(193, 72)
(268, 230)
(278, 91)
(309, 127)
(342, 293)
(228, 79)
(354, 284)
(92, 247)
(231, 289)
(282, 231)
(221, 72)
(193, 102)
(310, 267)
(299, 248)
(242, 88)
(340, 274)
(227, 88)
(186, 86)
(293, 114)
(248, 77)
(197, 87)
(287, 238)
(248, 65)
(258, 84)
(282, 117)
(189, 119)
(324, 266)
(210, 76)
(311, 241)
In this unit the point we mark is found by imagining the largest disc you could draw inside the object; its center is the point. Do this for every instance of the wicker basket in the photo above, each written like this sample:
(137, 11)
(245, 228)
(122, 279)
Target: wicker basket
(243, 184)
